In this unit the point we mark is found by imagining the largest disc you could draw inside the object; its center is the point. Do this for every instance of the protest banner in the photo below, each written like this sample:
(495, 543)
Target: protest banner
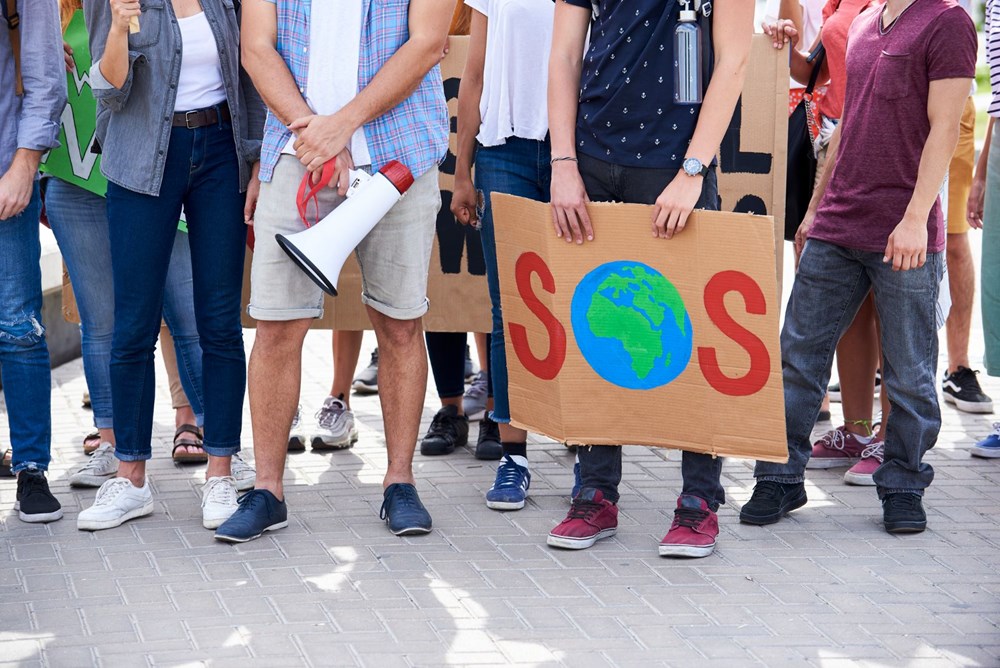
(680, 334)
(456, 286)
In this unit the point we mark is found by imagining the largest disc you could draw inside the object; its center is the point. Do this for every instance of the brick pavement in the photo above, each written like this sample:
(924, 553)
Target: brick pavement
(826, 587)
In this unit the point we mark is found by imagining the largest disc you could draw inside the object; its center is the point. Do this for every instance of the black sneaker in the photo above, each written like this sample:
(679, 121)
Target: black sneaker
(35, 502)
(833, 391)
(963, 391)
(448, 431)
(903, 512)
(488, 445)
(366, 382)
(771, 501)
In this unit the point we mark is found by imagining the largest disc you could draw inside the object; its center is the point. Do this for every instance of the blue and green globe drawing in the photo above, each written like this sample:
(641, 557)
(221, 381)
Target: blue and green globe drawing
(631, 325)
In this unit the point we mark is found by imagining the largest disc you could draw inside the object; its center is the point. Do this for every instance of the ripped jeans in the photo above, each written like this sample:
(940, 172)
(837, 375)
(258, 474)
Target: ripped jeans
(24, 357)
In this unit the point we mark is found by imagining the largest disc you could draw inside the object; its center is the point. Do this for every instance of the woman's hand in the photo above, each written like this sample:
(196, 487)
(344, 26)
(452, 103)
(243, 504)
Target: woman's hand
(675, 204)
(569, 203)
(253, 194)
(783, 32)
(68, 57)
(122, 13)
(974, 207)
(464, 200)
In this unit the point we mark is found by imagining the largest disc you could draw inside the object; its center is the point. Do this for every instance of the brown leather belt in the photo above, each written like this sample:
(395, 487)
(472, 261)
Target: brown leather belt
(199, 118)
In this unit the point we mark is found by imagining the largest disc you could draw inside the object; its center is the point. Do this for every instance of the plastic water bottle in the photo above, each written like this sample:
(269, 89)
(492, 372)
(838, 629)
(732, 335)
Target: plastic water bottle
(687, 58)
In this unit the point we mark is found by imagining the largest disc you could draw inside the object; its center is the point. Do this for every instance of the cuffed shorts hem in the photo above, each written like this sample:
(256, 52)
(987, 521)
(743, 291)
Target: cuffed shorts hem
(283, 315)
(394, 312)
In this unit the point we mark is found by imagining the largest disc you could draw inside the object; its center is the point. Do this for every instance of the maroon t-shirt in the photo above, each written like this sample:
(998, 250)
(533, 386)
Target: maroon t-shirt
(885, 125)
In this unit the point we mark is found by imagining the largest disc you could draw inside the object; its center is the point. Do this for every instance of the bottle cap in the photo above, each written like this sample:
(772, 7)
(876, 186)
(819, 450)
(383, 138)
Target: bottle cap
(688, 15)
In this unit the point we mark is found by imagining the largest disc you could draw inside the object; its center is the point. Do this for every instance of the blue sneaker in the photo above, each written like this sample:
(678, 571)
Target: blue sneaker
(989, 447)
(577, 481)
(403, 512)
(510, 488)
(259, 511)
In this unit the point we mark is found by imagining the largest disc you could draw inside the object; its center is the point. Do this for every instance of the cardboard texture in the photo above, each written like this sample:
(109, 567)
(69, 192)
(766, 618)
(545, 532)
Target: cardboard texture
(680, 335)
(456, 287)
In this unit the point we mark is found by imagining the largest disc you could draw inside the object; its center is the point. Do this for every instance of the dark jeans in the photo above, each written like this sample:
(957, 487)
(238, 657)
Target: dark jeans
(830, 284)
(447, 353)
(518, 167)
(601, 465)
(24, 355)
(202, 176)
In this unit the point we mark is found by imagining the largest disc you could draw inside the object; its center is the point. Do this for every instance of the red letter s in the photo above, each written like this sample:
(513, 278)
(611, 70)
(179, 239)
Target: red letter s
(760, 360)
(549, 367)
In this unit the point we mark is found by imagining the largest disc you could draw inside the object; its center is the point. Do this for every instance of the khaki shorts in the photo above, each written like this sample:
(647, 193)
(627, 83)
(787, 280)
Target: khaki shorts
(394, 257)
(960, 171)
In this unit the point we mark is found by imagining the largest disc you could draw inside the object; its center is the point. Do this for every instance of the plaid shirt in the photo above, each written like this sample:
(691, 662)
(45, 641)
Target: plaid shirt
(415, 132)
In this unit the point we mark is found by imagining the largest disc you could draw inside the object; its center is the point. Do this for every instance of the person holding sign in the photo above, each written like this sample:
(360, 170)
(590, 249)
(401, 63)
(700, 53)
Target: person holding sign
(876, 223)
(32, 97)
(352, 83)
(638, 126)
(180, 126)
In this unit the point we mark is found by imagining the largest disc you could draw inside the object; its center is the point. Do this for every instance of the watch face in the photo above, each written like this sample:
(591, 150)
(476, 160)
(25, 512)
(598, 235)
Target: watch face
(692, 166)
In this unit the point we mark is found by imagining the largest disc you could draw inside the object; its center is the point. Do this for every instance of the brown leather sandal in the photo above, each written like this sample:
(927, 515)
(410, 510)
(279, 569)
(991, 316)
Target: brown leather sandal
(91, 442)
(182, 441)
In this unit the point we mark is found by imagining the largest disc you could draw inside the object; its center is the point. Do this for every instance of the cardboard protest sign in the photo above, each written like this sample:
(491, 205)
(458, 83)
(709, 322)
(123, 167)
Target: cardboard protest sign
(682, 335)
(456, 287)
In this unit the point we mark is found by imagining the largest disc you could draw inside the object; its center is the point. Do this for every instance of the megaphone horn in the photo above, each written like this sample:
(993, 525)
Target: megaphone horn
(321, 250)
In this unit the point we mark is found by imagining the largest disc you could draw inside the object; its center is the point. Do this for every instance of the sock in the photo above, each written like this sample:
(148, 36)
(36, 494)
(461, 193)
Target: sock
(519, 460)
(519, 449)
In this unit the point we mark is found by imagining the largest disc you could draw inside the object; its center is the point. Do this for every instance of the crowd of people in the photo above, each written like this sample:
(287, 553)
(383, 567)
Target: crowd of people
(217, 111)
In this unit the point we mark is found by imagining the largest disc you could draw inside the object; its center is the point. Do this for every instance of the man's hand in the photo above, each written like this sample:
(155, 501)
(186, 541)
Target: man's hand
(569, 203)
(341, 173)
(974, 207)
(319, 138)
(15, 189)
(802, 234)
(253, 194)
(675, 204)
(907, 247)
(68, 57)
(464, 200)
(122, 13)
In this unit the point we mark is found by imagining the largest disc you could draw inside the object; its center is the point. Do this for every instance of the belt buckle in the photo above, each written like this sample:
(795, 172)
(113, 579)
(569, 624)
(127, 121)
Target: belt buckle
(187, 119)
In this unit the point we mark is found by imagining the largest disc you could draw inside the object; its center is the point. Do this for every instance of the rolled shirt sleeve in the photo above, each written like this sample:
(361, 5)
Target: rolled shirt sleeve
(43, 74)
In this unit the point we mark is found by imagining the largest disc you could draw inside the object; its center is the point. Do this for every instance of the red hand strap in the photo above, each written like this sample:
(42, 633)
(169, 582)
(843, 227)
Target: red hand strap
(309, 191)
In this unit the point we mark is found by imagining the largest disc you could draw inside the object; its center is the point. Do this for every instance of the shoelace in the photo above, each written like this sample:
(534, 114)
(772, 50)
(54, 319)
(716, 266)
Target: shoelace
(875, 449)
(769, 489)
(298, 417)
(443, 424)
(903, 501)
(996, 428)
(240, 466)
(32, 484)
(330, 413)
(100, 455)
(836, 439)
(689, 517)
(374, 361)
(221, 492)
(111, 490)
(511, 475)
(582, 509)
(251, 500)
(403, 497)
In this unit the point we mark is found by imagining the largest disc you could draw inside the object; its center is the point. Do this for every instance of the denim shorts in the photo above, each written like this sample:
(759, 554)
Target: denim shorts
(394, 257)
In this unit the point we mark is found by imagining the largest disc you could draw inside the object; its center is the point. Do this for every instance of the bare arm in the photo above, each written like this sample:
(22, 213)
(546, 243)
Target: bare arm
(802, 234)
(322, 137)
(267, 69)
(463, 201)
(569, 197)
(974, 207)
(114, 61)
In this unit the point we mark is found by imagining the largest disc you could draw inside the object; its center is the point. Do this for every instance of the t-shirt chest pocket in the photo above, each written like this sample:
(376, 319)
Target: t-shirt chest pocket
(892, 75)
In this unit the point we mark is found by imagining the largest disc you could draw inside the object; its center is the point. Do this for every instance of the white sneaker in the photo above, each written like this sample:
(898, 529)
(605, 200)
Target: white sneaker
(218, 501)
(117, 501)
(243, 473)
(336, 429)
(101, 466)
(296, 437)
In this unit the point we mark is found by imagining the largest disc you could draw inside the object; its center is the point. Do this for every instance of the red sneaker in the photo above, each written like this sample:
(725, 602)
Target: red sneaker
(590, 518)
(837, 448)
(871, 459)
(694, 530)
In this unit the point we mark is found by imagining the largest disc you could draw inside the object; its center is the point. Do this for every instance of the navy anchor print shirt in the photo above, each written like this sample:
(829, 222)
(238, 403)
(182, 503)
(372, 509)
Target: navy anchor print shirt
(626, 114)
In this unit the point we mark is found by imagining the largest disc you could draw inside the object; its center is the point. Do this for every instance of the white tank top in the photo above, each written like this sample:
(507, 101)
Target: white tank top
(200, 84)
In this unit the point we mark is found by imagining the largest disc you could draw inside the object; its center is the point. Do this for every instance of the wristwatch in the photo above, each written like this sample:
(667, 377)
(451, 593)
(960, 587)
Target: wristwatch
(693, 167)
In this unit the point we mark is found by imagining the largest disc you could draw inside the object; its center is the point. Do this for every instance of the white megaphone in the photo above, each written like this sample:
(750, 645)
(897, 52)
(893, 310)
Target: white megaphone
(321, 250)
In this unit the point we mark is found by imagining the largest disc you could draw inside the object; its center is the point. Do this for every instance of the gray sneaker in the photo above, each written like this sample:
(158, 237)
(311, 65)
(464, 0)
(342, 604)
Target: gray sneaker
(366, 382)
(101, 467)
(243, 474)
(474, 401)
(471, 368)
(296, 437)
(335, 429)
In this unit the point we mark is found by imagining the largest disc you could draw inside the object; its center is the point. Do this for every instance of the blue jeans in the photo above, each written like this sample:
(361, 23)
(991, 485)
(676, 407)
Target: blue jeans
(79, 221)
(601, 466)
(202, 175)
(830, 285)
(518, 167)
(24, 356)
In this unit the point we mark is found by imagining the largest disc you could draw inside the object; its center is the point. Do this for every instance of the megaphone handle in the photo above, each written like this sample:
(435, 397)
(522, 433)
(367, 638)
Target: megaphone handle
(309, 191)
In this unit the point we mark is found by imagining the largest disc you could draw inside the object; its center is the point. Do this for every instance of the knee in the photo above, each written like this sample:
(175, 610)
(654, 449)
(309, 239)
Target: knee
(21, 333)
(397, 333)
(280, 336)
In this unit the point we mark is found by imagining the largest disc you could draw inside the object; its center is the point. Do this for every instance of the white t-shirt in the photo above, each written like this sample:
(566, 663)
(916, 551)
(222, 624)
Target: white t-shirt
(200, 83)
(515, 74)
(334, 52)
